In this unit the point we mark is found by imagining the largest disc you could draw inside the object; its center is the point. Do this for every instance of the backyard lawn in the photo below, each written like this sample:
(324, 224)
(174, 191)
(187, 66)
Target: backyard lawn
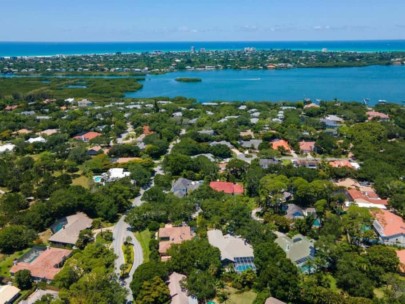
(246, 297)
(6, 262)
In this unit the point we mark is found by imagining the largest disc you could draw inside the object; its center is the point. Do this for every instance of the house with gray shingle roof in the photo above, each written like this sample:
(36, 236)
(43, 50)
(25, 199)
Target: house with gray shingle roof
(66, 230)
(184, 186)
(299, 249)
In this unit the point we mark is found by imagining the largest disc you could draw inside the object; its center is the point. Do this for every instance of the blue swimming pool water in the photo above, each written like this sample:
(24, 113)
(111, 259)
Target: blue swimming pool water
(97, 179)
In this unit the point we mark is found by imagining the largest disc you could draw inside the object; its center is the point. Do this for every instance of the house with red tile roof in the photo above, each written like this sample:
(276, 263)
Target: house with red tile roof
(307, 146)
(344, 163)
(389, 227)
(377, 115)
(44, 264)
(366, 199)
(280, 143)
(147, 130)
(10, 108)
(227, 187)
(172, 235)
(311, 105)
(86, 137)
(401, 257)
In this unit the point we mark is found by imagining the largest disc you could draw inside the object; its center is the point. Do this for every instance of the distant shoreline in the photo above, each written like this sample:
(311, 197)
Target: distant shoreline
(52, 49)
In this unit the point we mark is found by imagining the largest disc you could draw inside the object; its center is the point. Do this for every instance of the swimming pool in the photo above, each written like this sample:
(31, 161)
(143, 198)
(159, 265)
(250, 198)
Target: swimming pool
(97, 179)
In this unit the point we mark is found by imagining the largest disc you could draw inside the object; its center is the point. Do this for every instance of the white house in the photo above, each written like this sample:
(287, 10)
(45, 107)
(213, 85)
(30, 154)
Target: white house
(39, 139)
(116, 174)
(7, 148)
(390, 228)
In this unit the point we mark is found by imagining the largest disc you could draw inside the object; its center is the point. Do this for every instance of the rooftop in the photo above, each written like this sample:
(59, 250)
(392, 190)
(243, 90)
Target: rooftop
(173, 235)
(69, 232)
(227, 187)
(297, 249)
(390, 223)
(272, 300)
(87, 136)
(280, 143)
(307, 146)
(178, 294)
(231, 247)
(45, 265)
(8, 293)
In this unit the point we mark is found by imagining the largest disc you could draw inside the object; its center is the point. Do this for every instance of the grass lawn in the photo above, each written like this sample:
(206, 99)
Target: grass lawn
(6, 262)
(44, 236)
(246, 297)
(81, 181)
(286, 162)
(128, 256)
(144, 238)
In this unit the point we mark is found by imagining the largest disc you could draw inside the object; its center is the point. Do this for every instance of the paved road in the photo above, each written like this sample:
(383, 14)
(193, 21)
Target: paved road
(122, 230)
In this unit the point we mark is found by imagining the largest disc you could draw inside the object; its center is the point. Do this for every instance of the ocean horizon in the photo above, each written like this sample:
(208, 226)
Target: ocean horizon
(39, 49)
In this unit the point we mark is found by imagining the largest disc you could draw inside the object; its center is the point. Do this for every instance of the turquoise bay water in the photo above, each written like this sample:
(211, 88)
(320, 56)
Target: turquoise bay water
(346, 84)
(71, 48)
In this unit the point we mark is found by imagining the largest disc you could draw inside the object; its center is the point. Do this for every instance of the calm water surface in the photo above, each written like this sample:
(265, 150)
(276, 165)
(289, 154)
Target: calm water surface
(347, 84)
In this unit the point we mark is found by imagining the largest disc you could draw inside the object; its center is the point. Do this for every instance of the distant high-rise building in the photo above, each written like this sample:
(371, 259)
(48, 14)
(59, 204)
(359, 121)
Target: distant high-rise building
(202, 50)
(192, 49)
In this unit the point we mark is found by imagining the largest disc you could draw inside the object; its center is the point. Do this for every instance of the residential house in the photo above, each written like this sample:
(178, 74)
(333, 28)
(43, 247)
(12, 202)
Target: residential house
(272, 300)
(23, 131)
(7, 148)
(247, 133)
(282, 144)
(39, 139)
(115, 174)
(332, 121)
(294, 212)
(38, 294)
(227, 187)
(184, 186)
(147, 131)
(344, 163)
(390, 228)
(311, 106)
(177, 293)
(48, 132)
(266, 163)
(234, 250)
(251, 144)
(366, 199)
(222, 142)
(84, 103)
(172, 235)
(377, 115)
(9, 294)
(66, 230)
(95, 150)
(299, 249)
(87, 136)
(44, 264)
(10, 108)
(307, 146)
(306, 163)
(209, 132)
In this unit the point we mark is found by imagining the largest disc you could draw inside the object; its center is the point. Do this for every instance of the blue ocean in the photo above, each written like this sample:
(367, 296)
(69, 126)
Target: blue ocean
(8, 49)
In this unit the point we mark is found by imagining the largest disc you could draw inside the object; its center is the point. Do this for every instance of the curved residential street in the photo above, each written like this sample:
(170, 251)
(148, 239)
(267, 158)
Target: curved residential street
(122, 230)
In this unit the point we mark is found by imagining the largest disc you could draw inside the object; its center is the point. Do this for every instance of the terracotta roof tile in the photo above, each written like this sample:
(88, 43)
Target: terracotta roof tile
(226, 187)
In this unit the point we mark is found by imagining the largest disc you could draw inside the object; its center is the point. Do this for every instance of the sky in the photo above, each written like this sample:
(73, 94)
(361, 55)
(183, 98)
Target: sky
(204, 20)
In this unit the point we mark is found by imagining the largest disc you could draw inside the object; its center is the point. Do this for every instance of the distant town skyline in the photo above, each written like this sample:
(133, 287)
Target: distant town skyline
(209, 20)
